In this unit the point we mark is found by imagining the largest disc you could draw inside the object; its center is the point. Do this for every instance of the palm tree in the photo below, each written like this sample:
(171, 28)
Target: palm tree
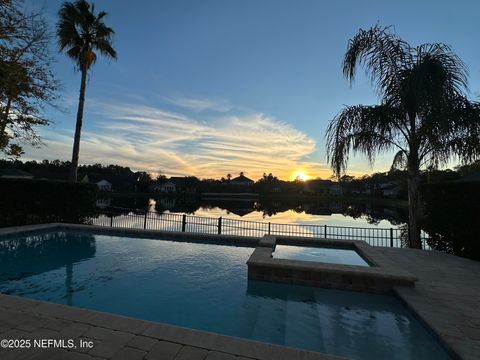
(80, 34)
(423, 115)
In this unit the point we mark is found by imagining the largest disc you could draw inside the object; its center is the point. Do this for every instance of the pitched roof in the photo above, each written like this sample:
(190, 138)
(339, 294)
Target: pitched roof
(242, 178)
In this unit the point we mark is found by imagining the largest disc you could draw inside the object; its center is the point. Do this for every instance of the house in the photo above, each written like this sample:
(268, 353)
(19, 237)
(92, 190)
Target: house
(169, 187)
(335, 190)
(177, 184)
(104, 185)
(317, 186)
(241, 180)
(13, 173)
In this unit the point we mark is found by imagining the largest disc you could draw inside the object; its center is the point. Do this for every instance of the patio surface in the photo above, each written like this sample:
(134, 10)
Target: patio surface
(446, 297)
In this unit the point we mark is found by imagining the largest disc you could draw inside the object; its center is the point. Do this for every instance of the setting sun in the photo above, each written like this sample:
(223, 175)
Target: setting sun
(300, 175)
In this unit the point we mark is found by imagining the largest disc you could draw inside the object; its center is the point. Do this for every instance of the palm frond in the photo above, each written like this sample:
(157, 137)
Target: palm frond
(380, 52)
(82, 32)
(367, 130)
(399, 160)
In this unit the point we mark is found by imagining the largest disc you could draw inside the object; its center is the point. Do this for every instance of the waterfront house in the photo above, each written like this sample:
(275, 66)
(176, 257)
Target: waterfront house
(104, 185)
(241, 180)
(169, 187)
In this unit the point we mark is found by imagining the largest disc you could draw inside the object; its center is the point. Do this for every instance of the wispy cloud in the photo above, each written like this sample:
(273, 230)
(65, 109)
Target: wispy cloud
(156, 140)
(200, 105)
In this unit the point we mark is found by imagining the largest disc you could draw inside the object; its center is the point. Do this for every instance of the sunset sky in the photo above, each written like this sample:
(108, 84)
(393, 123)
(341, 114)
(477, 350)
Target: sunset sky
(213, 87)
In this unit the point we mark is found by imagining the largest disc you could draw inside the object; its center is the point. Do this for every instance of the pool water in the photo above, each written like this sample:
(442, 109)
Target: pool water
(204, 286)
(319, 254)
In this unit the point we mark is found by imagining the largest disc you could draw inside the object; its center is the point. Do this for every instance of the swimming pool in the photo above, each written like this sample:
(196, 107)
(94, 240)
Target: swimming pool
(204, 286)
(319, 254)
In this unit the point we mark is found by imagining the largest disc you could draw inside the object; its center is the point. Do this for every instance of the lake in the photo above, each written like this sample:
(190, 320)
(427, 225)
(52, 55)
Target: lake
(326, 211)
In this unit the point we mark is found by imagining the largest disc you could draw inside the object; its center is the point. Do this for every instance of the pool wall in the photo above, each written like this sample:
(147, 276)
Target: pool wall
(378, 278)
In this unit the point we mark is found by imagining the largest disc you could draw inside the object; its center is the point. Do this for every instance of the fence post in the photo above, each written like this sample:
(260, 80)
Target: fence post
(145, 220)
(184, 222)
(391, 237)
(111, 220)
(325, 226)
(219, 225)
(268, 228)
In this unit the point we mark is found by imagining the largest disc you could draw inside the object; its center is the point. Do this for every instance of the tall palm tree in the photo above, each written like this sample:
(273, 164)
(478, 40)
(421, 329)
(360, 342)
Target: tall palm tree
(81, 33)
(423, 115)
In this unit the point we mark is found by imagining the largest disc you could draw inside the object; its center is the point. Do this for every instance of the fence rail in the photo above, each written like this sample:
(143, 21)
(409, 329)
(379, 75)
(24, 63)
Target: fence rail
(128, 218)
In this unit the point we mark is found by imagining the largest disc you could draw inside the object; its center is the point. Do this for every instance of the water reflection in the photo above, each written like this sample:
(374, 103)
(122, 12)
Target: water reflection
(290, 211)
(27, 256)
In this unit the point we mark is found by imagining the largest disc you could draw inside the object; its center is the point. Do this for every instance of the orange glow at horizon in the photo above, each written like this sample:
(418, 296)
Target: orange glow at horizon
(300, 175)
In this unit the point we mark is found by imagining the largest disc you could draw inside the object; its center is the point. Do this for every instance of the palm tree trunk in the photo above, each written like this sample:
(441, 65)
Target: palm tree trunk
(78, 127)
(414, 207)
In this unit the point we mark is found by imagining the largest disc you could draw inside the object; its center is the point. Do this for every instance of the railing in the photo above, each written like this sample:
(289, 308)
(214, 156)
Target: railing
(126, 218)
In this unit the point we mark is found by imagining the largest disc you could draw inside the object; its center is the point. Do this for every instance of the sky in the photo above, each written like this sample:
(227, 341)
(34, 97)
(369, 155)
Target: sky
(212, 87)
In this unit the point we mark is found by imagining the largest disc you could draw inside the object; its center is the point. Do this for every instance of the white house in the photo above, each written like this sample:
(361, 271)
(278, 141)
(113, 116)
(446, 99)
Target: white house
(104, 185)
(168, 187)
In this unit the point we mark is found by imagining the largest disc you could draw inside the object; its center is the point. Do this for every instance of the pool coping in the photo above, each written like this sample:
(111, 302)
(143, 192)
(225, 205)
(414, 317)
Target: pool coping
(444, 327)
(111, 325)
(379, 277)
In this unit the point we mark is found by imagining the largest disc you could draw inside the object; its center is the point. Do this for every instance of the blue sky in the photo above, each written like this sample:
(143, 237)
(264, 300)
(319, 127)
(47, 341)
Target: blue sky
(213, 87)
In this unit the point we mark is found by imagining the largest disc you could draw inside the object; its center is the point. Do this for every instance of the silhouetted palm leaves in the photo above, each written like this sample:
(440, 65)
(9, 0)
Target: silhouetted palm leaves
(423, 115)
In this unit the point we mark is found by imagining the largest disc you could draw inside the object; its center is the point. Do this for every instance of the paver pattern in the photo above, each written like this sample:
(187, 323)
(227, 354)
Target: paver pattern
(121, 338)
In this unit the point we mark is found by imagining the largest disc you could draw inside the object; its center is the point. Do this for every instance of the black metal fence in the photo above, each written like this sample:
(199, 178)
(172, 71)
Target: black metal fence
(126, 218)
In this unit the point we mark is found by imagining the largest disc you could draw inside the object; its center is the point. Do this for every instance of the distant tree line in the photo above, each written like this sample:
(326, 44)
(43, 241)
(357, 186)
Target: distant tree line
(126, 180)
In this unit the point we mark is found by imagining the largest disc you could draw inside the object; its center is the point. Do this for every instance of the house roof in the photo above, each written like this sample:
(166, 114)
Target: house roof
(14, 172)
(242, 178)
(95, 178)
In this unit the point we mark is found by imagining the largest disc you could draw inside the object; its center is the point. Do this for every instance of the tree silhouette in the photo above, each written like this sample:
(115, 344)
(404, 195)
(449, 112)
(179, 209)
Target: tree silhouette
(423, 114)
(80, 33)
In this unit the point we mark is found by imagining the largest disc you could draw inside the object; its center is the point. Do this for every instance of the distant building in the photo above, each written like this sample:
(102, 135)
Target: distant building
(317, 186)
(177, 184)
(13, 173)
(168, 187)
(104, 185)
(241, 180)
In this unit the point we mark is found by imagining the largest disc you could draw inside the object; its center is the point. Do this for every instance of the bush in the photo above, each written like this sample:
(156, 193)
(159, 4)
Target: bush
(452, 217)
(25, 202)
